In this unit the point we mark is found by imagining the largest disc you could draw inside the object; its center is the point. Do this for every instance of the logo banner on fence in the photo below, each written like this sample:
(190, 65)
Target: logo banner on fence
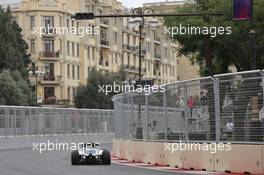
(242, 9)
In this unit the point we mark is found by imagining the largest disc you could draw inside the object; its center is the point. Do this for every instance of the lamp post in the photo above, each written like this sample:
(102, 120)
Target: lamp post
(36, 74)
(140, 21)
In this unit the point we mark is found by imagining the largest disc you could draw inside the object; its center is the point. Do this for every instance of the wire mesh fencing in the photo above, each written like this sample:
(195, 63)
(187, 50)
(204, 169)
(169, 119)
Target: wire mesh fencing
(23, 121)
(227, 107)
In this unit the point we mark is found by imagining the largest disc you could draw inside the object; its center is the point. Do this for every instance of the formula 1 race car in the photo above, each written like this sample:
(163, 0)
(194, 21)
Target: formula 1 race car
(90, 153)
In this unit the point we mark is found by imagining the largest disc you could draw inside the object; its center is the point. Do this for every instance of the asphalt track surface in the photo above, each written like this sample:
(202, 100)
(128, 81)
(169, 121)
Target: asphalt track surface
(29, 162)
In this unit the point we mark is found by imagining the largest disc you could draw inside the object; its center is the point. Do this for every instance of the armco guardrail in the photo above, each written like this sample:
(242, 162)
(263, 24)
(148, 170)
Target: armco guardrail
(21, 125)
(220, 108)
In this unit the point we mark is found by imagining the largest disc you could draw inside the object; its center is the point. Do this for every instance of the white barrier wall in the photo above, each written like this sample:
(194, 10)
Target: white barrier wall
(240, 159)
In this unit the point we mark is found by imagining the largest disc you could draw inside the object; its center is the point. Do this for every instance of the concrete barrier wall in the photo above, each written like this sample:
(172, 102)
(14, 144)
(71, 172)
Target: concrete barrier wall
(240, 159)
(27, 141)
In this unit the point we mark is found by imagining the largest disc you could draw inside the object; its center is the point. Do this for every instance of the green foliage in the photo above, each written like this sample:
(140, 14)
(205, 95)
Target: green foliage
(225, 49)
(13, 63)
(14, 89)
(90, 97)
(13, 49)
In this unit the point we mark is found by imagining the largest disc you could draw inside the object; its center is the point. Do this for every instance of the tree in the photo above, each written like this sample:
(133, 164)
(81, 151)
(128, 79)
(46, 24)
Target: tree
(14, 61)
(13, 49)
(223, 50)
(90, 96)
(14, 89)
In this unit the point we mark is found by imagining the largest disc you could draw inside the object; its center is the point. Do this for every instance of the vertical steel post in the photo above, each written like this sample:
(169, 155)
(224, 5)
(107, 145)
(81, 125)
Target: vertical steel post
(217, 109)
(147, 114)
(6, 121)
(165, 114)
(186, 111)
(70, 121)
(133, 117)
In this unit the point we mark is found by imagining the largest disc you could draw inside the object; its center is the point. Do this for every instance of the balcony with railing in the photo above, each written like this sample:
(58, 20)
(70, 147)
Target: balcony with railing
(49, 55)
(157, 39)
(103, 40)
(125, 47)
(48, 32)
(50, 79)
(144, 51)
(103, 62)
(157, 56)
(104, 22)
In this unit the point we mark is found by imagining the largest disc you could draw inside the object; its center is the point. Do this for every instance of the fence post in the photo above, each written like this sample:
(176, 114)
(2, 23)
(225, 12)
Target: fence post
(122, 116)
(70, 121)
(165, 114)
(6, 121)
(262, 81)
(186, 120)
(217, 109)
(132, 117)
(147, 114)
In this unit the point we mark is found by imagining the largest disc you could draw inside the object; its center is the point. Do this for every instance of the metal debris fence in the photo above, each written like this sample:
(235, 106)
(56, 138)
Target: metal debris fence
(226, 107)
(31, 121)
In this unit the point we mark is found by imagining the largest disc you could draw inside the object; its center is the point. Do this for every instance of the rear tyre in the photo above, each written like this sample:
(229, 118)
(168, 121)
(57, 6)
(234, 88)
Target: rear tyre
(106, 158)
(75, 158)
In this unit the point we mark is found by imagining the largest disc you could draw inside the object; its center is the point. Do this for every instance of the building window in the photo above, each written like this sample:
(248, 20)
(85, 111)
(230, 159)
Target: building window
(78, 72)
(87, 7)
(115, 37)
(94, 31)
(48, 21)
(73, 49)
(69, 93)
(32, 46)
(78, 50)
(49, 95)
(122, 60)
(128, 60)
(61, 47)
(61, 22)
(68, 71)
(68, 23)
(48, 45)
(128, 39)
(166, 53)
(49, 72)
(72, 23)
(93, 53)
(32, 22)
(77, 27)
(73, 93)
(68, 48)
(88, 52)
(73, 72)
(116, 61)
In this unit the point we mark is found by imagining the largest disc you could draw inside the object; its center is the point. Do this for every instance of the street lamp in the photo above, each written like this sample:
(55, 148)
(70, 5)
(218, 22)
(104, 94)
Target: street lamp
(36, 74)
(140, 21)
